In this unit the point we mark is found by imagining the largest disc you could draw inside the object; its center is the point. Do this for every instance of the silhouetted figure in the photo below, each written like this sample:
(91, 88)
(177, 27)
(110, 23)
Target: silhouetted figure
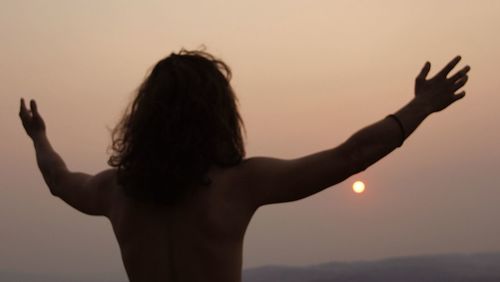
(181, 193)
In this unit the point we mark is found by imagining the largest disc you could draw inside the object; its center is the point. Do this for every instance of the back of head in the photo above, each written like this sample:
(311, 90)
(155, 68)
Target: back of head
(183, 120)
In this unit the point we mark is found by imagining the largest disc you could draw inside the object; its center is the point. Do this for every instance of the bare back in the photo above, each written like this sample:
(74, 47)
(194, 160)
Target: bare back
(199, 239)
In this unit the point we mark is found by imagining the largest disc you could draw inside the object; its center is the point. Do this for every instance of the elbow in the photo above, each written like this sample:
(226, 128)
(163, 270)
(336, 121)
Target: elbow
(356, 165)
(355, 155)
(55, 181)
(360, 167)
(53, 186)
(53, 191)
(357, 161)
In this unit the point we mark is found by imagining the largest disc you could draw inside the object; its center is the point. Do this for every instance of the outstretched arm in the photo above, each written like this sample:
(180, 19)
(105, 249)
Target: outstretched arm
(274, 180)
(88, 194)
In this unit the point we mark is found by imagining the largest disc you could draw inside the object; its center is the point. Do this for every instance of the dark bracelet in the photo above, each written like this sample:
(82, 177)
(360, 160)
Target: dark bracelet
(403, 131)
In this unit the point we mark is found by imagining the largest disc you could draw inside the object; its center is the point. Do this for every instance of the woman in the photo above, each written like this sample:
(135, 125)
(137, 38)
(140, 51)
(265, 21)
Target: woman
(181, 192)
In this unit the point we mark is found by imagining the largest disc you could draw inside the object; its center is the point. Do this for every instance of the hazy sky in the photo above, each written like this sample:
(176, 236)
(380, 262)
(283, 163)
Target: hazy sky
(308, 74)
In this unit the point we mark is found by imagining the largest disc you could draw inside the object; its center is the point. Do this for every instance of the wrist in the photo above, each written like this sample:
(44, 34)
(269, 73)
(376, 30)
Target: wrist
(40, 139)
(421, 106)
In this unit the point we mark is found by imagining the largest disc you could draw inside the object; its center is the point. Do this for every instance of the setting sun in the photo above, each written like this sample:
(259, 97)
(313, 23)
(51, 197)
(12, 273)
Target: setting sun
(358, 187)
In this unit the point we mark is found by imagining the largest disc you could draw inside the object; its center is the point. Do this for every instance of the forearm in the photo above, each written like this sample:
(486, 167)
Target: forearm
(375, 141)
(51, 165)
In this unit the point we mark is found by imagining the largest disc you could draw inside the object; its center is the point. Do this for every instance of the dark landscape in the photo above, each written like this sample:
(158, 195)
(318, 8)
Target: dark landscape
(443, 268)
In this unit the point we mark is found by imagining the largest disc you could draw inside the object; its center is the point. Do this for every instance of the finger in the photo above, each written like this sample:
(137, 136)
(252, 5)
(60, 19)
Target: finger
(458, 96)
(446, 70)
(424, 72)
(460, 83)
(23, 111)
(34, 108)
(460, 74)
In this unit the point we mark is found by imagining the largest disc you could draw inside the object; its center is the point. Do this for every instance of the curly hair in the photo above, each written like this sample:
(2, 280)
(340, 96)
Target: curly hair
(183, 120)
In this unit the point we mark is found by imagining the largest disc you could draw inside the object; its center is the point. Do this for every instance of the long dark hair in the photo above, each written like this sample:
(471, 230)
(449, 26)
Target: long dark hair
(183, 120)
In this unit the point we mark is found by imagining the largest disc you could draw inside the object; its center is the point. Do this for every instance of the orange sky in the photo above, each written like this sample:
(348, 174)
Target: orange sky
(308, 74)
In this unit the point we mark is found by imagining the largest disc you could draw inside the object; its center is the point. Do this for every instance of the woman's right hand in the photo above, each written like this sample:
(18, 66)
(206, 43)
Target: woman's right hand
(439, 92)
(32, 120)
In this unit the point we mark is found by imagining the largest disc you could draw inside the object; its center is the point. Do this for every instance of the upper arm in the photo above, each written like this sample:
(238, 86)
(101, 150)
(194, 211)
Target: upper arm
(90, 194)
(276, 180)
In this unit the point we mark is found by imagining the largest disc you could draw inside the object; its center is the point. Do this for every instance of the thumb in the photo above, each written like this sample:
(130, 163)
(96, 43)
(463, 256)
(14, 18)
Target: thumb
(459, 96)
(425, 71)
